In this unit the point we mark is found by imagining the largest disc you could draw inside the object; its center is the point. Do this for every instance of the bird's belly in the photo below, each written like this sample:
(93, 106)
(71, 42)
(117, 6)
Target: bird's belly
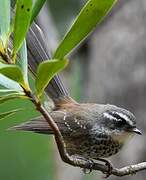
(94, 148)
(103, 151)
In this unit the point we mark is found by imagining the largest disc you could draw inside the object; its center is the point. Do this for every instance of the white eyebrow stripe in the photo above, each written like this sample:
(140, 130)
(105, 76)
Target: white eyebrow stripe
(109, 116)
(124, 116)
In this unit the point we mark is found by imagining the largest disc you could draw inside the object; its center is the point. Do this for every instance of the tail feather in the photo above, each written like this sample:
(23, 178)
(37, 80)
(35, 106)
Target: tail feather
(38, 125)
(37, 52)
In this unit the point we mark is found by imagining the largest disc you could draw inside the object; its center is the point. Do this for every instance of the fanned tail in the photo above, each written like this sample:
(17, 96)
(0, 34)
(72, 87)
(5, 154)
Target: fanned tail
(37, 52)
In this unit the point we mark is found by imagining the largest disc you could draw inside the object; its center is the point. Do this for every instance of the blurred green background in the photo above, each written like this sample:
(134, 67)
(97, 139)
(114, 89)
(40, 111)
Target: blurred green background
(109, 67)
(24, 155)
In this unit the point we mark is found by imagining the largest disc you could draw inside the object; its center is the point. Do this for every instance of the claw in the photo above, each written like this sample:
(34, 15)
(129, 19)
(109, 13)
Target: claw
(90, 164)
(109, 166)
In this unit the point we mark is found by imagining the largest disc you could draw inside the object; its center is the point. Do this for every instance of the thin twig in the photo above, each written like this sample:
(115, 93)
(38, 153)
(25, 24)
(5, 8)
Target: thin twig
(129, 170)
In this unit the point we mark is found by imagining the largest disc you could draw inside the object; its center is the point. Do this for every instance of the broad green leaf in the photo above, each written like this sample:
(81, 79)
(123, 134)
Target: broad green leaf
(11, 96)
(10, 84)
(36, 8)
(13, 72)
(45, 72)
(91, 15)
(9, 113)
(21, 24)
(7, 91)
(4, 20)
(23, 61)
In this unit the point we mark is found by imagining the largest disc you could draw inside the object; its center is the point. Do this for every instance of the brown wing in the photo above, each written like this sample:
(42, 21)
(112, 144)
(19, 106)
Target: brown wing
(40, 125)
(68, 123)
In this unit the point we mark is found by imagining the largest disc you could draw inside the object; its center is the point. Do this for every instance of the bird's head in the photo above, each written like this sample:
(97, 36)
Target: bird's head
(118, 122)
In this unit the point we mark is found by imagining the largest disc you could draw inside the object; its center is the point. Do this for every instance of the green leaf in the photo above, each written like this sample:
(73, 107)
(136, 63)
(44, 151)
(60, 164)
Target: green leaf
(10, 84)
(24, 61)
(91, 15)
(11, 96)
(7, 90)
(13, 72)
(36, 8)
(45, 72)
(9, 113)
(2, 51)
(4, 20)
(21, 24)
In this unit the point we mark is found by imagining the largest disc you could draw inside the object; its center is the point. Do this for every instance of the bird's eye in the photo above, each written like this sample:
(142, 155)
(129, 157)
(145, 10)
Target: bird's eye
(120, 122)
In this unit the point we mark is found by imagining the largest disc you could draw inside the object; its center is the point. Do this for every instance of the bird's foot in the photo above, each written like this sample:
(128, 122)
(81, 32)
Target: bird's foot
(109, 167)
(90, 164)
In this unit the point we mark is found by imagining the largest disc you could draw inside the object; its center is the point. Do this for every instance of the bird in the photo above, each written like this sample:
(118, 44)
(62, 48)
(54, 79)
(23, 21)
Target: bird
(90, 131)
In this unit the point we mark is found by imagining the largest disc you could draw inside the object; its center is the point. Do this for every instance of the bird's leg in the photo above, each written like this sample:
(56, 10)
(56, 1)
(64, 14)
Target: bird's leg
(89, 162)
(109, 166)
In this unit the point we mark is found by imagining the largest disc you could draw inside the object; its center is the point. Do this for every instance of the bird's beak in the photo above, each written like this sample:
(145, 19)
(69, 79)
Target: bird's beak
(135, 130)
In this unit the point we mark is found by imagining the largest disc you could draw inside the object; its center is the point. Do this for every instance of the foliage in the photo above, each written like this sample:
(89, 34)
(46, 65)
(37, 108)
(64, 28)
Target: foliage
(14, 73)
(14, 63)
(4, 20)
(46, 71)
(21, 23)
(91, 14)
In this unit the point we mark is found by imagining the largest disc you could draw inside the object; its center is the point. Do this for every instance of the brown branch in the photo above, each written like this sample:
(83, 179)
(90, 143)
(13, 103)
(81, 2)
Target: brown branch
(129, 170)
(78, 162)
